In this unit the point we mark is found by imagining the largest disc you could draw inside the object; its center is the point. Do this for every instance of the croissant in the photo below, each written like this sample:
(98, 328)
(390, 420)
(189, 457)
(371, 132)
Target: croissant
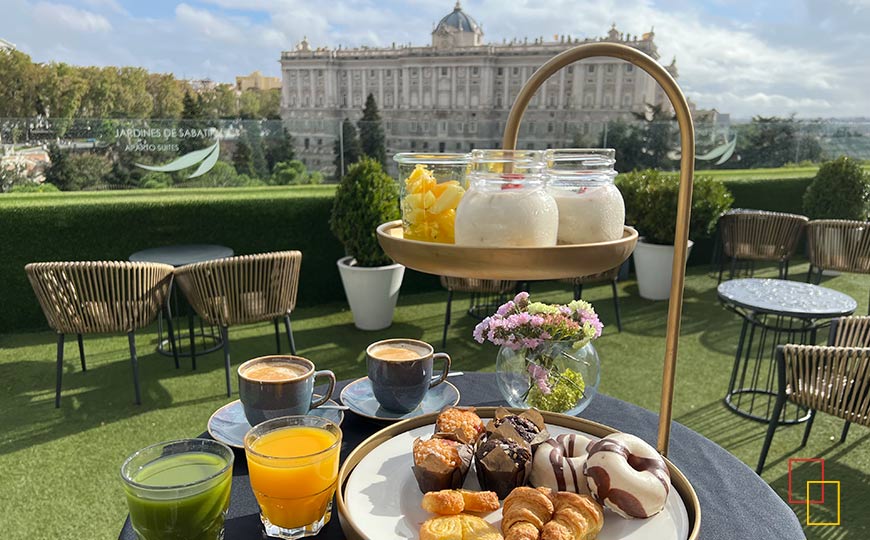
(575, 517)
(526, 511)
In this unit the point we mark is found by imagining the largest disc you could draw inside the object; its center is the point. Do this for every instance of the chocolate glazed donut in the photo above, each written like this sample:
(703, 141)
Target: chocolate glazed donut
(628, 476)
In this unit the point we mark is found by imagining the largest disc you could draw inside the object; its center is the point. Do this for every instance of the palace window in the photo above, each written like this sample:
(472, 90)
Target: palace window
(444, 72)
(609, 68)
(307, 143)
(472, 127)
(371, 73)
(550, 127)
(629, 68)
(516, 71)
(474, 70)
(590, 68)
(500, 71)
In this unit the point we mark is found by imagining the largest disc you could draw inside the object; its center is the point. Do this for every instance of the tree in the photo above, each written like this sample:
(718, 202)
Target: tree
(249, 104)
(347, 148)
(166, 95)
(58, 172)
(627, 140)
(279, 147)
(294, 173)
(371, 132)
(242, 160)
(192, 118)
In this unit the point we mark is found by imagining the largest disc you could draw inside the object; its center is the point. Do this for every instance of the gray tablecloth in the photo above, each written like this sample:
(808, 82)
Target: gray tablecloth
(736, 504)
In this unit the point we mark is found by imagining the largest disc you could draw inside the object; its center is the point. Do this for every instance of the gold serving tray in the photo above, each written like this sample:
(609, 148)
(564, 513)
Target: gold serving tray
(515, 264)
(353, 532)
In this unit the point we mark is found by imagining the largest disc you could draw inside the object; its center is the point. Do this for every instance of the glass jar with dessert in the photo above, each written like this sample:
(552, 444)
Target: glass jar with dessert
(507, 204)
(431, 186)
(591, 208)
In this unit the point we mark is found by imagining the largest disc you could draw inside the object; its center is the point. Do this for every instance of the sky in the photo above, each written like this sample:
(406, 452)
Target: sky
(805, 57)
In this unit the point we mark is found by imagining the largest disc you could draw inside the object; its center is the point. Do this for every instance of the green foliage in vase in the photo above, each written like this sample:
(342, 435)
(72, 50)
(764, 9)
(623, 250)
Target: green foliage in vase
(651, 204)
(566, 389)
(840, 190)
(365, 198)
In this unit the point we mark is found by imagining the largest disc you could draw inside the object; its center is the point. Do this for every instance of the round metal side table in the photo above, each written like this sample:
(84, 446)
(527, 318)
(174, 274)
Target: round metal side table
(778, 311)
(181, 255)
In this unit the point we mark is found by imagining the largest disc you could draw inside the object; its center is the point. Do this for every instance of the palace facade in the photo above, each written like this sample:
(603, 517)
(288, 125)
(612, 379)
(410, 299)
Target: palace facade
(454, 95)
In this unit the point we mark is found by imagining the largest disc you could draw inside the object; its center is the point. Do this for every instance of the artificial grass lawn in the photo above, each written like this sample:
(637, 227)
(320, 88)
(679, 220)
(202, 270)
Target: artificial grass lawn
(59, 468)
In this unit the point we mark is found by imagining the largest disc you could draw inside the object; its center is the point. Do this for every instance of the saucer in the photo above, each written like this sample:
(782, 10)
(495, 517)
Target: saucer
(360, 398)
(229, 425)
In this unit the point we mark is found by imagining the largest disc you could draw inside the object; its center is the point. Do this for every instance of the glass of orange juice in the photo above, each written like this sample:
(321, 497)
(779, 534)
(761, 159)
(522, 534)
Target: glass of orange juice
(293, 468)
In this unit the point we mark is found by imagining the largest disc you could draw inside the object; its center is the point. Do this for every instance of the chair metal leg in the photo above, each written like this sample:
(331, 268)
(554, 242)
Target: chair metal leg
(82, 352)
(277, 337)
(446, 319)
(808, 428)
(771, 429)
(616, 305)
(134, 360)
(733, 268)
(810, 274)
(226, 339)
(721, 269)
(191, 326)
(59, 370)
(578, 291)
(289, 328)
(173, 346)
(845, 431)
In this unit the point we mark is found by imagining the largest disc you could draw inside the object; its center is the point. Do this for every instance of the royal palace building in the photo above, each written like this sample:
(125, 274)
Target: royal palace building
(455, 94)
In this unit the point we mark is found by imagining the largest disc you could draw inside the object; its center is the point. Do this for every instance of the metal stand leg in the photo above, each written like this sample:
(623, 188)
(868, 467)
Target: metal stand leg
(446, 319)
(277, 337)
(190, 323)
(737, 358)
(289, 329)
(771, 429)
(172, 345)
(808, 428)
(59, 370)
(616, 305)
(82, 352)
(845, 432)
(131, 337)
(226, 339)
(810, 274)
(733, 267)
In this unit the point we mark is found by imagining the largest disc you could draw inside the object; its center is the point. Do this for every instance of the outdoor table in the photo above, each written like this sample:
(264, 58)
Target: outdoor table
(181, 255)
(780, 311)
(736, 504)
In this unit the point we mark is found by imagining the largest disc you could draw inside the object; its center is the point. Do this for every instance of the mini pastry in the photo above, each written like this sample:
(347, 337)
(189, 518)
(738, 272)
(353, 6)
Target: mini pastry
(527, 426)
(462, 422)
(526, 511)
(533, 514)
(440, 463)
(458, 527)
(456, 501)
(558, 463)
(628, 476)
(502, 464)
(575, 517)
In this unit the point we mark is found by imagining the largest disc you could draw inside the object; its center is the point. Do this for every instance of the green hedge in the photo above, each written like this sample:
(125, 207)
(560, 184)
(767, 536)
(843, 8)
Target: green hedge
(111, 226)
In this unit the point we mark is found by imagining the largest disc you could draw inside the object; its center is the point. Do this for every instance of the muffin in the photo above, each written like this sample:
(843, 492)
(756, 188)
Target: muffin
(461, 422)
(440, 463)
(502, 464)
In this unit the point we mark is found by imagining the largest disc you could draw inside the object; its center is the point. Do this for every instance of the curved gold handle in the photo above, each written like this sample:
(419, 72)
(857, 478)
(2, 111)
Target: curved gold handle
(684, 197)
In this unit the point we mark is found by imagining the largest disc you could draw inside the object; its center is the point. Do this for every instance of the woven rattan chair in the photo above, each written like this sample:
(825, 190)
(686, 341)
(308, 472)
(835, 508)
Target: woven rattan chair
(834, 379)
(241, 290)
(757, 235)
(839, 245)
(97, 298)
(610, 276)
(478, 288)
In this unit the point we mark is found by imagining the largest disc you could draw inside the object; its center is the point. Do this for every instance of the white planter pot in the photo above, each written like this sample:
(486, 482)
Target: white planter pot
(653, 264)
(371, 292)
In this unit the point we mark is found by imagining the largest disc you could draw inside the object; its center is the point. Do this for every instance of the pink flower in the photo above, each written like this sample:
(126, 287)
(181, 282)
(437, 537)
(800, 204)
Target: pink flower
(539, 376)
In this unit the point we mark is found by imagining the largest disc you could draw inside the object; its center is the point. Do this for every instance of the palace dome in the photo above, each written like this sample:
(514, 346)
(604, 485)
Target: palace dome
(458, 20)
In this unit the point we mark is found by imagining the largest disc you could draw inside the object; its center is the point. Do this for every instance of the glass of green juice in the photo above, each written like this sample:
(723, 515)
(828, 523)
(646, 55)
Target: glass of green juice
(179, 490)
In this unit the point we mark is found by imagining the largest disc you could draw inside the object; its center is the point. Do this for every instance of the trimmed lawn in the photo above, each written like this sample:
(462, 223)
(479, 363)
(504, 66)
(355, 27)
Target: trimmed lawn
(59, 468)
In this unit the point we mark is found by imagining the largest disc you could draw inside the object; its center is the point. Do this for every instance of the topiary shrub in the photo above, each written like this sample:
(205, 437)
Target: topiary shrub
(840, 190)
(365, 198)
(651, 204)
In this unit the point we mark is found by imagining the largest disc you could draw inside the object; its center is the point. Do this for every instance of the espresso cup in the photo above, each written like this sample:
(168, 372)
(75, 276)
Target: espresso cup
(275, 386)
(400, 371)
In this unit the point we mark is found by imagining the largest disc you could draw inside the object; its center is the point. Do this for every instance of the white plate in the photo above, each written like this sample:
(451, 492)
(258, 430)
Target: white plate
(383, 499)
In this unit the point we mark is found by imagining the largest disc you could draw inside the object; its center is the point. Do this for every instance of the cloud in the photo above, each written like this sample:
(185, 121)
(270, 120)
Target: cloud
(70, 17)
(107, 5)
(208, 25)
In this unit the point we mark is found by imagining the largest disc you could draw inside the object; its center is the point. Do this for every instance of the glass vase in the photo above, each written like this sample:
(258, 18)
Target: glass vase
(553, 377)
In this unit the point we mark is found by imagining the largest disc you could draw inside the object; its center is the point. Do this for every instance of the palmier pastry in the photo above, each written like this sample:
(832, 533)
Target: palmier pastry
(456, 501)
(462, 422)
(458, 527)
(558, 463)
(440, 463)
(628, 476)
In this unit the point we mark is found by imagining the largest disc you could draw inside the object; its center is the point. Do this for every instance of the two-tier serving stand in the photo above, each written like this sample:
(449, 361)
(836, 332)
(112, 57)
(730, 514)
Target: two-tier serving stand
(563, 261)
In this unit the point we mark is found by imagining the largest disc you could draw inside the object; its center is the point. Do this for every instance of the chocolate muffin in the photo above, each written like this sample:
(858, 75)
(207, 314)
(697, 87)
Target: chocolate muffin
(502, 464)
